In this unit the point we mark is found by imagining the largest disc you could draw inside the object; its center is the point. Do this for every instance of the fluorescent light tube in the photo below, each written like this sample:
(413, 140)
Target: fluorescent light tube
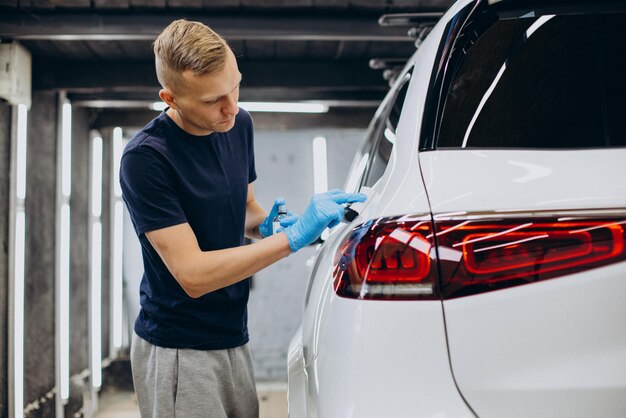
(278, 107)
(18, 315)
(22, 117)
(17, 250)
(118, 149)
(320, 166)
(117, 232)
(96, 177)
(64, 304)
(320, 170)
(96, 304)
(281, 107)
(158, 106)
(117, 308)
(66, 146)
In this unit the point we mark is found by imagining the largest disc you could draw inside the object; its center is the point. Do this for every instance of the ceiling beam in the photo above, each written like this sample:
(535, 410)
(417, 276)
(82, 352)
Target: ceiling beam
(357, 97)
(338, 118)
(126, 76)
(81, 26)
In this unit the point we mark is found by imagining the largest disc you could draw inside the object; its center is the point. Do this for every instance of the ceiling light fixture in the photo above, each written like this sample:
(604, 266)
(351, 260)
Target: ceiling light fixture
(283, 107)
(276, 107)
(158, 106)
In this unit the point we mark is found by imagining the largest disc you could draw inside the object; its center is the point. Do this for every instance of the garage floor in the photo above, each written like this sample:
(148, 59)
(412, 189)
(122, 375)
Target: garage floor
(116, 404)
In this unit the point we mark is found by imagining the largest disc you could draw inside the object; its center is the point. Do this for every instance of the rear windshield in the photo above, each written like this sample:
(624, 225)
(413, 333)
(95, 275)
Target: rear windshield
(546, 82)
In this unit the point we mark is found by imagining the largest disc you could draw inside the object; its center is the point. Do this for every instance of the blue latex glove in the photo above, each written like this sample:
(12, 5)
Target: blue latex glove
(324, 210)
(288, 221)
(265, 227)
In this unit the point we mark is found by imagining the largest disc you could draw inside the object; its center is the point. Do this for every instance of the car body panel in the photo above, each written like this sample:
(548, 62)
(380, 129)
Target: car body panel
(357, 373)
(297, 388)
(484, 180)
(545, 349)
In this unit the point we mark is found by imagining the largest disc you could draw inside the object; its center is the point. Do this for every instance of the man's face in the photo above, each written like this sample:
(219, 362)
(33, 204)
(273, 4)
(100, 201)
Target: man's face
(207, 103)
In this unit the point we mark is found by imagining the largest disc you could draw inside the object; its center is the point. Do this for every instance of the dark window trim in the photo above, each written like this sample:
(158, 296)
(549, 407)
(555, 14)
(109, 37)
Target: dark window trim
(433, 103)
(507, 9)
(381, 122)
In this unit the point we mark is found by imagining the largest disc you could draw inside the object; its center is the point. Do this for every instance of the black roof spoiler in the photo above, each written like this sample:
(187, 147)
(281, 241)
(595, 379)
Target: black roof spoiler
(419, 24)
(556, 6)
(409, 19)
(418, 27)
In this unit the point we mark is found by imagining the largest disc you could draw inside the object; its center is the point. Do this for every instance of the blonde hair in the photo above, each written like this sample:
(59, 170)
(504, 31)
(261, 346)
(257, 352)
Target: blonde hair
(187, 46)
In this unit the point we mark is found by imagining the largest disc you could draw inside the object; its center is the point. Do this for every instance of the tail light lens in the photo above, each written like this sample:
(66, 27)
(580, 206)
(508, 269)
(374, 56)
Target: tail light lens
(394, 258)
(483, 255)
(390, 258)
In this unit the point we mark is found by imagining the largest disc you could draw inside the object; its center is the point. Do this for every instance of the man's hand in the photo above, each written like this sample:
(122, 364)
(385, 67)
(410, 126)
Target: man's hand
(266, 227)
(324, 210)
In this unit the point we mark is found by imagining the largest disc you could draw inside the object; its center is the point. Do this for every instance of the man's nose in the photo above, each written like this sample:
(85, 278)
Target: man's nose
(230, 107)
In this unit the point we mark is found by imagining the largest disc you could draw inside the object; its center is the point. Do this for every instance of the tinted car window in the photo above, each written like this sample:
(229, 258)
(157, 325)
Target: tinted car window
(385, 135)
(548, 82)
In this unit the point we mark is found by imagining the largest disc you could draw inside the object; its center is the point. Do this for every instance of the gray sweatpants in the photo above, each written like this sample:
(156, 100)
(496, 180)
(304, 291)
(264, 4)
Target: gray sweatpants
(187, 383)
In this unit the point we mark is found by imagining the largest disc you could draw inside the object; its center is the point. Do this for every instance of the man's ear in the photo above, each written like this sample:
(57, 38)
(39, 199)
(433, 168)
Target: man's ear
(167, 96)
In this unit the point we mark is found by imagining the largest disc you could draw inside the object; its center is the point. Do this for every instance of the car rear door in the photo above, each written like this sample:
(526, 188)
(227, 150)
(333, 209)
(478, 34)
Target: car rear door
(525, 166)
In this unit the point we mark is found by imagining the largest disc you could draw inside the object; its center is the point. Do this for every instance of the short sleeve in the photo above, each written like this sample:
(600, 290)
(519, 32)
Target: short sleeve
(250, 138)
(251, 167)
(149, 190)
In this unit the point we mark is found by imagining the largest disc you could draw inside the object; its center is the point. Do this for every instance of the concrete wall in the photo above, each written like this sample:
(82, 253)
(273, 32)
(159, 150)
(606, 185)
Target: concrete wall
(39, 344)
(79, 238)
(284, 163)
(79, 258)
(40, 262)
(40, 301)
(106, 238)
(5, 153)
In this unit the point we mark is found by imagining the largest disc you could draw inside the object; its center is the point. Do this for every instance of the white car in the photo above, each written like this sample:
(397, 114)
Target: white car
(486, 274)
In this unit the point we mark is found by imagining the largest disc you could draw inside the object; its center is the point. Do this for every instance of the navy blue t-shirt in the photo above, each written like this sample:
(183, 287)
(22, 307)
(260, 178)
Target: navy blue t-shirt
(169, 177)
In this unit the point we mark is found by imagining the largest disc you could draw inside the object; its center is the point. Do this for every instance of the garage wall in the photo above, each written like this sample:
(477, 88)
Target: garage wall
(107, 139)
(5, 155)
(284, 162)
(39, 304)
(79, 258)
(79, 247)
(40, 262)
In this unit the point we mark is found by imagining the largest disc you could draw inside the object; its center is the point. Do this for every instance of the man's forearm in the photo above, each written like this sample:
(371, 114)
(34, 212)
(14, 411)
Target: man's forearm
(207, 271)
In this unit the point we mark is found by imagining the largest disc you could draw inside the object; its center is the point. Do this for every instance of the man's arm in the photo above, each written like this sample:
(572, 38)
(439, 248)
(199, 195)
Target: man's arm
(200, 272)
(254, 215)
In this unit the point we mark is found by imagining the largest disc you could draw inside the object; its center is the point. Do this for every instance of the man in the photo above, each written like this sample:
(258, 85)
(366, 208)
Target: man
(187, 180)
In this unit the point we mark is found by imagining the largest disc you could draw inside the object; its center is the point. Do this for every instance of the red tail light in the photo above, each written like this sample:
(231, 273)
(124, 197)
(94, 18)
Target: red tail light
(389, 258)
(492, 255)
(393, 258)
